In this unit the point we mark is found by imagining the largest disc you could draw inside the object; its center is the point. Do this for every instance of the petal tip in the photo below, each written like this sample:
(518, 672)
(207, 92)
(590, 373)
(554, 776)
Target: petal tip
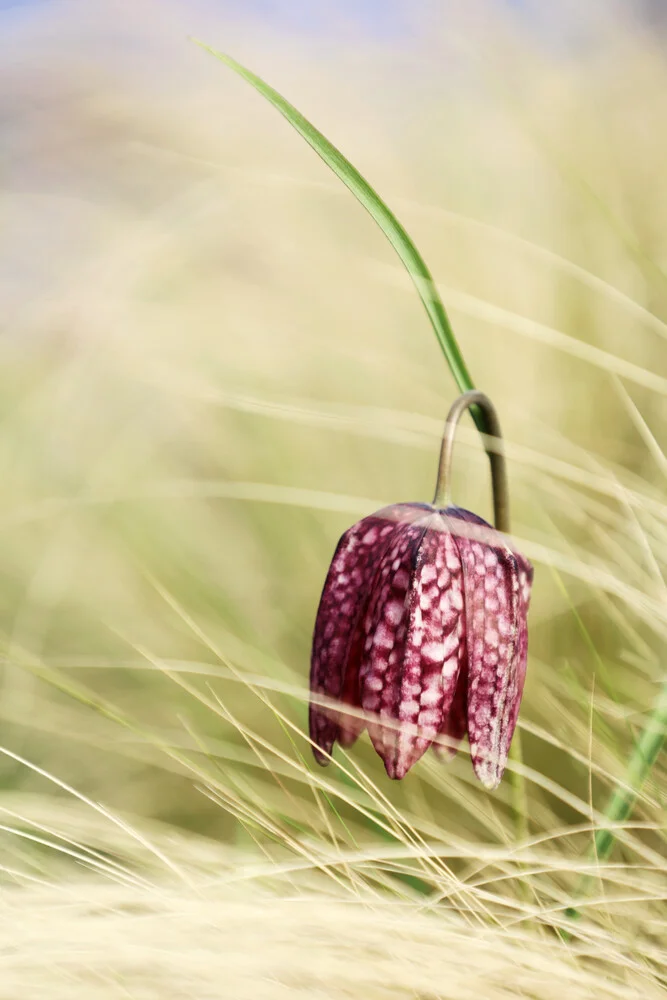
(445, 754)
(396, 771)
(322, 759)
(489, 773)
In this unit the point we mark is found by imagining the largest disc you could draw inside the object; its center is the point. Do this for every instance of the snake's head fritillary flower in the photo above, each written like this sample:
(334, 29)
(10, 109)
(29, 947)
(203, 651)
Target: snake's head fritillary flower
(421, 631)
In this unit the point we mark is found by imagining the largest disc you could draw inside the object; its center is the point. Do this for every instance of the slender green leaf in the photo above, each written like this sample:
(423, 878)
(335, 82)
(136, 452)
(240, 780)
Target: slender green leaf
(385, 218)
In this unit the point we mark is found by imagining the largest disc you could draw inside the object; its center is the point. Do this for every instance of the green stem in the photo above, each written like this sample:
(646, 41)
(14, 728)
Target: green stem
(493, 445)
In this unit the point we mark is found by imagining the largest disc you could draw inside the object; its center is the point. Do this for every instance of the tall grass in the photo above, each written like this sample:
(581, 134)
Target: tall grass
(210, 365)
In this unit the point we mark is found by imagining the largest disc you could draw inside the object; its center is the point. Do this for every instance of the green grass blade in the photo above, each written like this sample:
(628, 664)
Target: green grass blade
(378, 210)
(624, 797)
(640, 766)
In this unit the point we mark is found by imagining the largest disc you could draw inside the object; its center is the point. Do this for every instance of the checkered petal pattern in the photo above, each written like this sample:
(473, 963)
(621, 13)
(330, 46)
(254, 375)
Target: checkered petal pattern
(421, 629)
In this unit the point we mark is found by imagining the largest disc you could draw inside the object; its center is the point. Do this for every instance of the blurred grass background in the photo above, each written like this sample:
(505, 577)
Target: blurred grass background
(210, 365)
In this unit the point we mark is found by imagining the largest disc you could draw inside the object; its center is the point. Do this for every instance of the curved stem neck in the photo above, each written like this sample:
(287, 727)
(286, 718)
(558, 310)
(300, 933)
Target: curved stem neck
(493, 445)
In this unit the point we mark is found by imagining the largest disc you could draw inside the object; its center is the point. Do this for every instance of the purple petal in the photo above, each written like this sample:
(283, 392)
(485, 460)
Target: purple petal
(497, 590)
(455, 721)
(525, 584)
(338, 636)
(411, 661)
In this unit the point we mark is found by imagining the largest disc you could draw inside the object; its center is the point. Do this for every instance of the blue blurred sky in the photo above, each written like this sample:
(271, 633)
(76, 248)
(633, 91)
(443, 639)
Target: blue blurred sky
(378, 19)
(376, 14)
(552, 21)
(305, 13)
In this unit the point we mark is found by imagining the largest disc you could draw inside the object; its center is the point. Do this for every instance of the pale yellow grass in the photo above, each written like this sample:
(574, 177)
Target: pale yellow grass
(102, 941)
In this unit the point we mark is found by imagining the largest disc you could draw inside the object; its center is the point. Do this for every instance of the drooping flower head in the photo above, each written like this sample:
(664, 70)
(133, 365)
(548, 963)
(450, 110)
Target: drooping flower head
(421, 631)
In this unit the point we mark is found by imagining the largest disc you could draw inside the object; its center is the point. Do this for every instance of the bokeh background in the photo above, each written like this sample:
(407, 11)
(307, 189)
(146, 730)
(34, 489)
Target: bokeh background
(211, 363)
